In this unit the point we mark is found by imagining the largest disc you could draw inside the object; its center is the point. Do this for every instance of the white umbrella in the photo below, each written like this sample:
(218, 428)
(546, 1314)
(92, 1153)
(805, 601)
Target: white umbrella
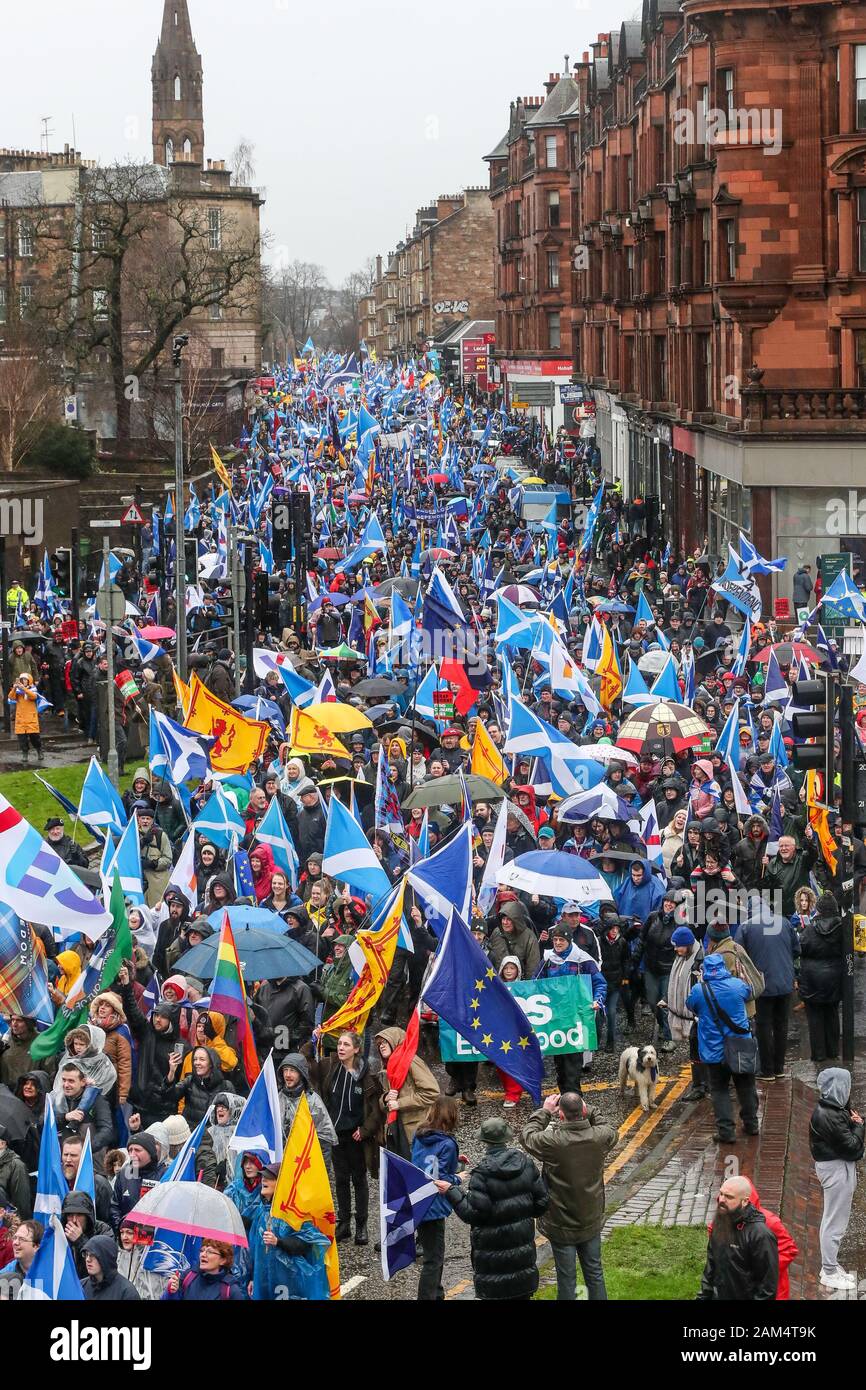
(555, 874)
(193, 1209)
(607, 753)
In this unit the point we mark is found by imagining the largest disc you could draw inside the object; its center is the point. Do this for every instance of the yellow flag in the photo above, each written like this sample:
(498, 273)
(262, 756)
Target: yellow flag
(181, 691)
(239, 741)
(608, 669)
(308, 736)
(303, 1192)
(378, 949)
(220, 469)
(487, 761)
(819, 819)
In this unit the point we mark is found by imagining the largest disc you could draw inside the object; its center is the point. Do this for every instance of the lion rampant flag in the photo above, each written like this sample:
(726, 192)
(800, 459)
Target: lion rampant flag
(373, 954)
(221, 470)
(239, 741)
(303, 1192)
(181, 691)
(819, 819)
(608, 669)
(487, 761)
(308, 736)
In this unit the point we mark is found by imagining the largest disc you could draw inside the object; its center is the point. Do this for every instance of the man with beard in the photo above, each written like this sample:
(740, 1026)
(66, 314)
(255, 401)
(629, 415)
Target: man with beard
(743, 1253)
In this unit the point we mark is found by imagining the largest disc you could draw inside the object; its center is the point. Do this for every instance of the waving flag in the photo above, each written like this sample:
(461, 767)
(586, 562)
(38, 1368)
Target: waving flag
(372, 543)
(303, 1192)
(52, 1277)
(125, 861)
(465, 990)
(728, 742)
(650, 833)
(272, 830)
(405, 1197)
(51, 1185)
(846, 598)
(219, 819)
(441, 610)
(775, 685)
(515, 628)
(23, 976)
(636, 690)
(183, 875)
(489, 885)
(372, 955)
(666, 686)
(100, 804)
(84, 1179)
(39, 886)
(148, 652)
(738, 586)
(188, 754)
(608, 670)
(259, 1129)
(739, 666)
(349, 857)
(228, 996)
(755, 563)
(444, 881)
(487, 761)
(220, 470)
(237, 741)
(308, 736)
(591, 522)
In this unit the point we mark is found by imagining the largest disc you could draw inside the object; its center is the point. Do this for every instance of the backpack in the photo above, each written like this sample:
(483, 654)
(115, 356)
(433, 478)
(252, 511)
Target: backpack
(748, 972)
(225, 1292)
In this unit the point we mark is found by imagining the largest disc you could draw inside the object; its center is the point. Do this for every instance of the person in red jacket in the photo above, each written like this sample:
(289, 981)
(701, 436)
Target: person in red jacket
(788, 1248)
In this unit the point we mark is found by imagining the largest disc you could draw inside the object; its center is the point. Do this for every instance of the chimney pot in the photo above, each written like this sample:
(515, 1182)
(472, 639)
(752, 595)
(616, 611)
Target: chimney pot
(585, 58)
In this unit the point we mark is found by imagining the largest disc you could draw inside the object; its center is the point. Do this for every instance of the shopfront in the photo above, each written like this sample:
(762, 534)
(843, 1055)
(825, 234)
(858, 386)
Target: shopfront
(604, 434)
(812, 521)
(542, 378)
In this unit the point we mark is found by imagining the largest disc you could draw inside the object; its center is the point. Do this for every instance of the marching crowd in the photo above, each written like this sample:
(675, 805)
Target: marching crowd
(712, 929)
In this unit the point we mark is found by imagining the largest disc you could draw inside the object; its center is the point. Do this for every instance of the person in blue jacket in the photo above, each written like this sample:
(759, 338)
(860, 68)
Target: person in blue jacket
(641, 893)
(212, 1282)
(719, 993)
(245, 1188)
(434, 1151)
(287, 1264)
(567, 959)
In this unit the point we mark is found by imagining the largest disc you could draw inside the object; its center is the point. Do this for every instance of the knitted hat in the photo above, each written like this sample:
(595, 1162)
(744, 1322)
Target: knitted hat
(683, 936)
(719, 933)
(147, 1142)
(177, 1129)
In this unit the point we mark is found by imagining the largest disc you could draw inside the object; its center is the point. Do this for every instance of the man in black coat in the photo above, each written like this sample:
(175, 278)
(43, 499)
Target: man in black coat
(310, 838)
(504, 1195)
(63, 844)
(291, 1014)
(73, 1118)
(103, 1283)
(743, 1253)
(158, 1038)
(80, 1222)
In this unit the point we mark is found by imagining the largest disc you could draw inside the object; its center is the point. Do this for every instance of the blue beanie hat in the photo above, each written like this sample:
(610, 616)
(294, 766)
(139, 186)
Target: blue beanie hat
(683, 936)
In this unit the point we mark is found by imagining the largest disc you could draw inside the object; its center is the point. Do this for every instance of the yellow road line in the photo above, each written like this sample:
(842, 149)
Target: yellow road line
(649, 1125)
(586, 1086)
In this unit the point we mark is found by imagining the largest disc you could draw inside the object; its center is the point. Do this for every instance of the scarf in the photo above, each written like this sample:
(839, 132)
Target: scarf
(679, 985)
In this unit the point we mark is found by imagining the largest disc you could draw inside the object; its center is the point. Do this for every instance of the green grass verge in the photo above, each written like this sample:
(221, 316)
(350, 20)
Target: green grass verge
(36, 804)
(648, 1264)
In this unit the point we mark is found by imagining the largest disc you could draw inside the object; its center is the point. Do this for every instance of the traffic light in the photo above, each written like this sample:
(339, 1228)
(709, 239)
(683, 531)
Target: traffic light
(190, 559)
(817, 700)
(261, 600)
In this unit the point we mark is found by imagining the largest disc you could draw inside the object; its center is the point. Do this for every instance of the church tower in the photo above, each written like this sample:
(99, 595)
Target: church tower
(178, 108)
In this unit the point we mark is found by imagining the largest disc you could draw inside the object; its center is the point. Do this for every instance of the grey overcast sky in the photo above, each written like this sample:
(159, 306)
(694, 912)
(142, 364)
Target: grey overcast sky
(360, 111)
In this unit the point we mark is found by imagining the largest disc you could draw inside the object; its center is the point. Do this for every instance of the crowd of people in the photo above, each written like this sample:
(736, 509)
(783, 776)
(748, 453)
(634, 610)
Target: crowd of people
(711, 920)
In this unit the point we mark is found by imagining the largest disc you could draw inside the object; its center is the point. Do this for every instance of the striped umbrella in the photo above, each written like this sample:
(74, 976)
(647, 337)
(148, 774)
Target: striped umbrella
(555, 874)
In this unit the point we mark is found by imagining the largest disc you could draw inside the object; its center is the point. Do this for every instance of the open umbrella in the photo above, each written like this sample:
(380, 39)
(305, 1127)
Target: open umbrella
(607, 753)
(583, 806)
(262, 956)
(651, 663)
(155, 633)
(789, 652)
(608, 605)
(402, 584)
(341, 653)
(192, 1209)
(554, 874)
(338, 718)
(438, 479)
(427, 734)
(623, 856)
(676, 723)
(260, 918)
(337, 600)
(520, 594)
(329, 552)
(448, 791)
(378, 688)
(438, 552)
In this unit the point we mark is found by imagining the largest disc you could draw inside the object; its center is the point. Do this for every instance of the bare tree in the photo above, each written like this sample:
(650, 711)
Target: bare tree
(243, 163)
(206, 419)
(28, 396)
(297, 294)
(132, 263)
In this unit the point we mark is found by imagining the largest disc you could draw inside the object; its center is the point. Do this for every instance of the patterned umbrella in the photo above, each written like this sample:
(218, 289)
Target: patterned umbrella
(193, 1209)
(676, 723)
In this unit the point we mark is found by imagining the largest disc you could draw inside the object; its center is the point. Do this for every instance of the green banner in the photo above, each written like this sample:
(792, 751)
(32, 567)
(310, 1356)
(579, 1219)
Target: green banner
(831, 566)
(560, 1011)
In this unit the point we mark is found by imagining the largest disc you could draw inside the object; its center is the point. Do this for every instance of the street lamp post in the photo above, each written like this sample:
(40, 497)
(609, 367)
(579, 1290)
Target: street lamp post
(181, 341)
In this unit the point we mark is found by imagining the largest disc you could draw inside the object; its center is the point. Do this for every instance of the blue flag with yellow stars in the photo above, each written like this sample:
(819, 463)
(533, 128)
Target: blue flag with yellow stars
(466, 991)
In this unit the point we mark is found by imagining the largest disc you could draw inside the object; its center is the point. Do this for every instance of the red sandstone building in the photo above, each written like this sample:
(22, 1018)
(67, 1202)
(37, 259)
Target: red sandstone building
(716, 203)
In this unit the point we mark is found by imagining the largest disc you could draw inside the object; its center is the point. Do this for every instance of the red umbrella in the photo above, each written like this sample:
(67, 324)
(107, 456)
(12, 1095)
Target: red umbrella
(438, 553)
(789, 652)
(438, 479)
(329, 553)
(155, 633)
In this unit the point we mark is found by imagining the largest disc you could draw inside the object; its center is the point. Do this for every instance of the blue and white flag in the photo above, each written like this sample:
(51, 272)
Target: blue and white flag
(441, 611)
(444, 881)
(188, 754)
(738, 586)
(636, 692)
(644, 613)
(259, 1129)
(273, 831)
(349, 857)
(755, 563)
(51, 1185)
(148, 652)
(777, 747)
(52, 1277)
(37, 884)
(728, 742)
(125, 861)
(372, 543)
(100, 803)
(219, 819)
(84, 1179)
(405, 1197)
(775, 685)
(739, 666)
(515, 628)
(489, 885)
(844, 596)
(666, 686)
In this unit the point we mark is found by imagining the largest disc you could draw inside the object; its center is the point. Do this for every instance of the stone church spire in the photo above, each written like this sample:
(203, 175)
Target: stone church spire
(178, 108)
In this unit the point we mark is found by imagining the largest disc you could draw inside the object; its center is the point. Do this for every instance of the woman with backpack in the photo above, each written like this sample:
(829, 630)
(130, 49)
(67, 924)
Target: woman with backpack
(212, 1282)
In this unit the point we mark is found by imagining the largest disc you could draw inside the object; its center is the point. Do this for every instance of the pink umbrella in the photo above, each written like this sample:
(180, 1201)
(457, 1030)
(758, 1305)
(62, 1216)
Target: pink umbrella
(156, 633)
(193, 1209)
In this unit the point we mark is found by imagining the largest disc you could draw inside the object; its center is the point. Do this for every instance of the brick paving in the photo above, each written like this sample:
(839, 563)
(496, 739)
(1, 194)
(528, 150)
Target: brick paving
(682, 1191)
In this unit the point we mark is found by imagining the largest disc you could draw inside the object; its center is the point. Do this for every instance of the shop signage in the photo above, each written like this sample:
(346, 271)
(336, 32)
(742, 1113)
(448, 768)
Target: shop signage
(451, 306)
(533, 366)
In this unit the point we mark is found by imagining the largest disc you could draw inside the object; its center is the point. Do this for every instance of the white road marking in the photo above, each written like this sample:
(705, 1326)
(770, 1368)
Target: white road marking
(352, 1284)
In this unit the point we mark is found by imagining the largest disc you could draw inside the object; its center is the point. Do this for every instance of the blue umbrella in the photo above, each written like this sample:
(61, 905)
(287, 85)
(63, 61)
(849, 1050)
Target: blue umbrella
(613, 606)
(553, 874)
(261, 918)
(337, 600)
(258, 708)
(584, 805)
(262, 954)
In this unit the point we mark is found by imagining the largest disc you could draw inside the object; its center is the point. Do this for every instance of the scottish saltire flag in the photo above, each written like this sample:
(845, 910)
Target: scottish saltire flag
(152, 994)
(424, 705)
(84, 1179)
(489, 886)
(741, 801)
(100, 804)
(465, 990)
(259, 1129)
(593, 639)
(775, 685)
(591, 521)
(532, 737)
(148, 652)
(643, 612)
(266, 556)
(51, 1277)
(420, 848)
(44, 595)
(444, 881)
(302, 691)
(777, 747)
(372, 543)
(739, 588)
(822, 644)
(515, 628)
(402, 627)
(650, 833)
(272, 830)
(39, 886)
(183, 875)
(636, 690)
(405, 1197)
(441, 610)
(689, 678)
(739, 666)
(156, 754)
(666, 686)
(349, 857)
(844, 595)
(51, 1185)
(776, 825)
(728, 742)
(755, 563)
(125, 861)
(219, 819)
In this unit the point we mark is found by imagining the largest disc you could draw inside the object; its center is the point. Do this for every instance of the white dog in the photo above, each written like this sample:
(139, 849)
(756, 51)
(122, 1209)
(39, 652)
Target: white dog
(640, 1065)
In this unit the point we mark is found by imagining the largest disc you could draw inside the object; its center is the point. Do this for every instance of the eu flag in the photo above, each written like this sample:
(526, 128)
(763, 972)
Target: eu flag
(466, 991)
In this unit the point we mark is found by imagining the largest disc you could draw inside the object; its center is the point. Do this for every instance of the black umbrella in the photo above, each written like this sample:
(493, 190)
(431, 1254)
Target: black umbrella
(393, 726)
(404, 586)
(621, 855)
(378, 688)
(21, 1132)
